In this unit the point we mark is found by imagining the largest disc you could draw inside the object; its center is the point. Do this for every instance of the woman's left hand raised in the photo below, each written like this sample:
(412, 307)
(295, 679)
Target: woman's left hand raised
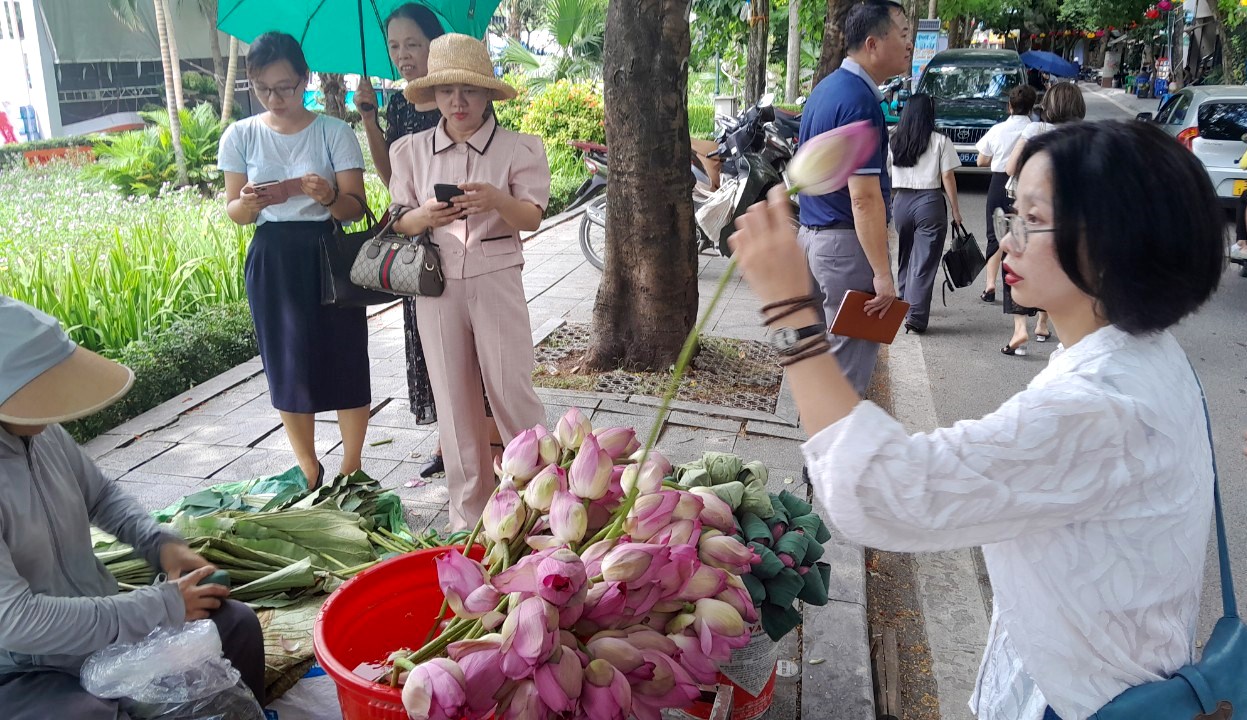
(319, 189)
(480, 197)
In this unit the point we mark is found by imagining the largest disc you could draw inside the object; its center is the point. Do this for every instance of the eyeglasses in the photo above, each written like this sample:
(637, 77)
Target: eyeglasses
(1012, 231)
(266, 93)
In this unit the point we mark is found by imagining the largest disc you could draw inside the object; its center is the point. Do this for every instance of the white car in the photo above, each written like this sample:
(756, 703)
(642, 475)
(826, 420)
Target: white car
(1211, 121)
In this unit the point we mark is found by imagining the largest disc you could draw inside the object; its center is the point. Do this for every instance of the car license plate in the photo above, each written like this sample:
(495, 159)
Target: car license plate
(972, 158)
(1240, 186)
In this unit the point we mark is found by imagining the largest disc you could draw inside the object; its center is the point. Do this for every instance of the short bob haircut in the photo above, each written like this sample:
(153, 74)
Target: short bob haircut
(1063, 103)
(1022, 100)
(421, 15)
(272, 47)
(1147, 265)
(868, 18)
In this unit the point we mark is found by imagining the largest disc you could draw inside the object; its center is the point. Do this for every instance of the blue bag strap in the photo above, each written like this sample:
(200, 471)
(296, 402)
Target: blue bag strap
(1229, 604)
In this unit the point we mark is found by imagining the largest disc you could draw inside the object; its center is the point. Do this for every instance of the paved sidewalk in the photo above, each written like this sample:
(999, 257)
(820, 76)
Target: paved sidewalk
(1122, 99)
(226, 430)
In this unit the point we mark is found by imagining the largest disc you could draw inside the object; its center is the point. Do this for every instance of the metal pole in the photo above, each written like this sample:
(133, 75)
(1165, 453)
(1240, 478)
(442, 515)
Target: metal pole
(717, 70)
(363, 51)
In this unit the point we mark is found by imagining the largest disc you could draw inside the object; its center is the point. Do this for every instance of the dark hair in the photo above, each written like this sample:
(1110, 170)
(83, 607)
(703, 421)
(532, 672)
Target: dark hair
(913, 132)
(1063, 103)
(867, 18)
(1147, 267)
(420, 15)
(1022, 100)
(274, 47)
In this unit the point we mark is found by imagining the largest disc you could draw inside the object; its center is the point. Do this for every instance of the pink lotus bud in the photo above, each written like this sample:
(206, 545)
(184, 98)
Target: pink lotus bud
(464, 584)
(682, 532)
(560, 681)
(701, 667)
(641, 599)
(592, 555)
(504, 514)
(547, 446)
(606, 694)
(561, 577)
(479, 660)
(688, 506)
(824, 163)
(650, 514)
(571, 613)
(653, 456)
(522, 457)
(787, 560)
(646, 478)
(523, 702)
(658, 617)
(614, 441)
(706, 582)
(680, 623)
(670, 687)
(614, 489)
(739, 599)
(493, 620)
(635, 563)
(528, 637)
(590, 473)
(617, 651)
(435, 691)
(539, 492)
(778, 531)
(715, 513)
(727, 553)
(568, 518)
(605, 602)
(679, 571)
(572, 429)
(717, 619)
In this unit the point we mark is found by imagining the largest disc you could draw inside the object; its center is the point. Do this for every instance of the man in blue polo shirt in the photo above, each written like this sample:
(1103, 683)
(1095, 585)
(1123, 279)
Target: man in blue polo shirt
(845, 233)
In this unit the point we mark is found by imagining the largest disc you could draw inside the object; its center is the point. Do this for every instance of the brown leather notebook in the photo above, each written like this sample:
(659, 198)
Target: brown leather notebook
(852, 321)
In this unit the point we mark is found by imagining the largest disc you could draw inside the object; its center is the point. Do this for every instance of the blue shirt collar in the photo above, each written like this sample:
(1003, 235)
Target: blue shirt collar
(852, 66)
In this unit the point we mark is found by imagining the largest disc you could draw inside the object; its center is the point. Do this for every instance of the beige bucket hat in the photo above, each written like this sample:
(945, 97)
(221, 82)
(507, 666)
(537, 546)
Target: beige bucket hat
(45, 377)
(457, 60)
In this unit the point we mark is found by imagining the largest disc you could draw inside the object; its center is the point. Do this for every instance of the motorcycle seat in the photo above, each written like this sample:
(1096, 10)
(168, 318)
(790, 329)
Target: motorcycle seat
(587, 146)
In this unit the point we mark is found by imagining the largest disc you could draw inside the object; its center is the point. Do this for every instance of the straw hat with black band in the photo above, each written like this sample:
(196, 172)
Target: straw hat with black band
(45, 377)
(457, 60)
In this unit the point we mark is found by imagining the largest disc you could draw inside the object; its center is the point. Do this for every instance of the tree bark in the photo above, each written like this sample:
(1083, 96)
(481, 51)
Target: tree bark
(759, 33)
(792, 86)
(833, 39)
(932, 6)
(333, 87)
(956, 32)
(513, 21)
(219, 70)
(175, 121)
(647, 300)
(174, 59)
(231, 79)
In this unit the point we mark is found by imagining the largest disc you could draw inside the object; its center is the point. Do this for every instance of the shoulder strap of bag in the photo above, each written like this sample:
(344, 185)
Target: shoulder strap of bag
(1229, 604)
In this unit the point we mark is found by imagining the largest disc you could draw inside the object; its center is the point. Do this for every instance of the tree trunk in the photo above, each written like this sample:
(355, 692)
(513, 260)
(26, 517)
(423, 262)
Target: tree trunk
(175, 122)
(231, 79)
(647, 300)
(214, 38)
(175, 61)
(931, 9)
(833, 39)
(333, 87)
(792, 86)
(513, 21)
(956, 32)
(759, 33)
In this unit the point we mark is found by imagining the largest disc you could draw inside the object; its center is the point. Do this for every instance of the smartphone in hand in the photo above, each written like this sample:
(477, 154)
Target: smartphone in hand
(279, 191)
(445, 192)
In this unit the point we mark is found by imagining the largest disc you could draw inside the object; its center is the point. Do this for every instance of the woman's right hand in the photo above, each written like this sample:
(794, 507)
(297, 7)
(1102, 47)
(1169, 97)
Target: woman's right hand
(200, 600)
(252, 201)
(439, 214)
(366, 101)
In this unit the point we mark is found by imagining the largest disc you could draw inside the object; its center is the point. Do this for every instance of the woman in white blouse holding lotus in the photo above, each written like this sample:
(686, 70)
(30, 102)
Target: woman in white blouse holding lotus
(1091, 490)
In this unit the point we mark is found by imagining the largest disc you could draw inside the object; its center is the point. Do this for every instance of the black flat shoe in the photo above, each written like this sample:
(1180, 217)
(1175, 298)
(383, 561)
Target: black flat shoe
(320, 477)
(988, 296)
(434, 466)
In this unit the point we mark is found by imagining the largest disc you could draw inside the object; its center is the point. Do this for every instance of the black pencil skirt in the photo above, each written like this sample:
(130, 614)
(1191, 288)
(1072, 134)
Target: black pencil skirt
(315, 357)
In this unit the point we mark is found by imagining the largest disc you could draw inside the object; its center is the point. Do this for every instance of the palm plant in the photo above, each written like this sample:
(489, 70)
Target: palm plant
(578, 27)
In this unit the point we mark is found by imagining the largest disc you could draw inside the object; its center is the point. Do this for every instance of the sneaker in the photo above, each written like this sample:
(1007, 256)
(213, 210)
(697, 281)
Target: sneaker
(1238, 252)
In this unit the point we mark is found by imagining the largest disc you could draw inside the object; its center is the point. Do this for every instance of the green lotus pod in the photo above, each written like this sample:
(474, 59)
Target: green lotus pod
(770, 564)
(793, 544)
(784, 587)
(755, 529)
(723, 467)
(756, 500)
(692, 475)
(732, 493)
(814, 591)
(813, 551)
(757, 591)
(778, 620)
(796, 506)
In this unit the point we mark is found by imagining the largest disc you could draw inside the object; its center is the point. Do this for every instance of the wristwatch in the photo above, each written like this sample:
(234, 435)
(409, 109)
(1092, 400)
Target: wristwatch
(786, 339)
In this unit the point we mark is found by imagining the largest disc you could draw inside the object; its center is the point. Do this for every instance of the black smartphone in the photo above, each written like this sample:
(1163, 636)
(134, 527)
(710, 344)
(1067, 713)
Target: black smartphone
(444, 192)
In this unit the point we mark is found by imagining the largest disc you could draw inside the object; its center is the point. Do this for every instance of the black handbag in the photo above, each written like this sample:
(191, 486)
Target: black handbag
(963, 262)
(394, 263)
(337, 254)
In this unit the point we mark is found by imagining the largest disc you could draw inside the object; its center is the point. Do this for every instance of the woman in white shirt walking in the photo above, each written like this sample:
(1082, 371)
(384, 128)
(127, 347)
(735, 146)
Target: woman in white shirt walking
(994, 149)
(920, 161)
(1091, 490)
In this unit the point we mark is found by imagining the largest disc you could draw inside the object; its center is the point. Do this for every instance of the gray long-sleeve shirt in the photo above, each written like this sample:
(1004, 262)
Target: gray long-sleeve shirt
(57, 602)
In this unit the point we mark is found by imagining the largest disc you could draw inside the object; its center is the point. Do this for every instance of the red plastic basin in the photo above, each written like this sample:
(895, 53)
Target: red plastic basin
(383, 609)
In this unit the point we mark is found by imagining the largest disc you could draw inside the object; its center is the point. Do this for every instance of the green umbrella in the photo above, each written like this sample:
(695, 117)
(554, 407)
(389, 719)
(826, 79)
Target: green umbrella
(325, 28)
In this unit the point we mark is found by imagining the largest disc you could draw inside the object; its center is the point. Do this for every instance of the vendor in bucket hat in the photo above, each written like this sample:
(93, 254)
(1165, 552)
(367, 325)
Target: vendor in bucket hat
(457, 60)
(59, 603)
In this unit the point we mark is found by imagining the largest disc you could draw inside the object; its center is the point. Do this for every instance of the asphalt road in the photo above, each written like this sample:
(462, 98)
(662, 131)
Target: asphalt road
(969, 377)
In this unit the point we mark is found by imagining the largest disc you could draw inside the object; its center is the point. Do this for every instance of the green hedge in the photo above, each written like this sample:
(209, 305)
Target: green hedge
(191, 351)
(12, 154)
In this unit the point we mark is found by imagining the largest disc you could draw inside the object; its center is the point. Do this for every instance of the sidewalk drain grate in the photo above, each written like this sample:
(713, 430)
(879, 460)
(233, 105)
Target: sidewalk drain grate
(740, 374)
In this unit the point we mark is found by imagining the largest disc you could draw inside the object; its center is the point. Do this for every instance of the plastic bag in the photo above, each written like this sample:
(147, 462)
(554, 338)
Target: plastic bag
(172, 674)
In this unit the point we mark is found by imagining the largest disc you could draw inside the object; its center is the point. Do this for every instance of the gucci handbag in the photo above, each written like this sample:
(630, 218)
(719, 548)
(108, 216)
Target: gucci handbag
(1215, 687)
(394, 263)
(337, 253)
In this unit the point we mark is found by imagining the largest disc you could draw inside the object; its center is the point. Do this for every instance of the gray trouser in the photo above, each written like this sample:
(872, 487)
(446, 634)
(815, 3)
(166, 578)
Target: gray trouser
(44, 694)
(838, 264)
(922, 226)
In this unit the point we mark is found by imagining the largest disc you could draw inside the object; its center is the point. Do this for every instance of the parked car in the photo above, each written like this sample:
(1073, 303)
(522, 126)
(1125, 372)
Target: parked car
(971, 90)
(1211, 121)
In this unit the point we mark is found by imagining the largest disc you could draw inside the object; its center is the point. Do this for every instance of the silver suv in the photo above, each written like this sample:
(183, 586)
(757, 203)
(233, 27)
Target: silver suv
(1211, 121)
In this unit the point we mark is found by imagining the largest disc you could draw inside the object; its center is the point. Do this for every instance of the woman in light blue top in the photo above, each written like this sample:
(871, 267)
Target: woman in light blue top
(292, 173)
